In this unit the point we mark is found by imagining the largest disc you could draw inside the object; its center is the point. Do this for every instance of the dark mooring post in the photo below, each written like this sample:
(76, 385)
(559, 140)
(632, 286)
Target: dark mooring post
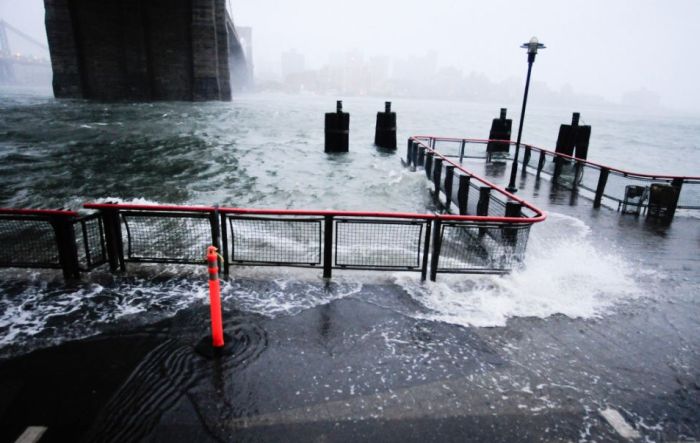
(385, 132)
(500, 130)
(337, 129)
(573, 139)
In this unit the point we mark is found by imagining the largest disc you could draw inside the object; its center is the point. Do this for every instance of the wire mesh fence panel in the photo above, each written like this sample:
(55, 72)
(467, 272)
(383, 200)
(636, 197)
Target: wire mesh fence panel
(482, 248)
(27, 242)
(617, 184)
(547, 166)
(276, 240)
(497, 207)
(167, 237)
(378, 243)
(690, 195)
(473, 199)
(588, 178)
(474, 150)
(448, 148)
(90, 242)
(567, 176)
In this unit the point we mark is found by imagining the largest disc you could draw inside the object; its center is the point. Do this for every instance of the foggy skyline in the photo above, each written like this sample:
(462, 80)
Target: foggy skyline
(593, 47)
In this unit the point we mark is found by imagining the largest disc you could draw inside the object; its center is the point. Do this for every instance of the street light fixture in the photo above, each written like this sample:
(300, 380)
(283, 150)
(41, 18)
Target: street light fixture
(532, 46)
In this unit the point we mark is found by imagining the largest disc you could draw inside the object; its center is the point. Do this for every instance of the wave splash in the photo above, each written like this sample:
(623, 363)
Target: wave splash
(563, 273)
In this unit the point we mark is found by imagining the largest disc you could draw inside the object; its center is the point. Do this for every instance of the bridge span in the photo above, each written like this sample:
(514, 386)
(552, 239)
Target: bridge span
(180, 50)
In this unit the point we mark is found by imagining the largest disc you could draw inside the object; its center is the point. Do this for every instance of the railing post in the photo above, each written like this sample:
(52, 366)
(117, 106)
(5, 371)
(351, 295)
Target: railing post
(558, 163)
(67, 246)
(437, 244)
(482, 207)
(426, 250)
(513, 209)
(437, 174)
(113, 239)
(421, 155)
(540, 163)
(449, 178)
(602, 181)
(327, 246)
(461, 151)
(429, 164)
(526, 159)
(676, 183)
(463, 193)
(216, 233)
(224, 243)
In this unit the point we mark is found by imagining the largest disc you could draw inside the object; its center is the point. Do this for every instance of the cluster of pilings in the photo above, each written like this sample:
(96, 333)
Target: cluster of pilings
(337, 129)
(573, 139)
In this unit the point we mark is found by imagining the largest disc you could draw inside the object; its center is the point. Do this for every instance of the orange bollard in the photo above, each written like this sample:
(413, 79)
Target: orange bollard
(217, 326)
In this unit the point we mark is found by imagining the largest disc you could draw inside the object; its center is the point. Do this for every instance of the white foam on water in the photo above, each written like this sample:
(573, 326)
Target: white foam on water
(287, 292)
(130, 201)
(48, 312)
(564, 273)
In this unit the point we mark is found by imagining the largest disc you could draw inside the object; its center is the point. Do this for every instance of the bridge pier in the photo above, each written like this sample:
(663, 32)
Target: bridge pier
(139, 49)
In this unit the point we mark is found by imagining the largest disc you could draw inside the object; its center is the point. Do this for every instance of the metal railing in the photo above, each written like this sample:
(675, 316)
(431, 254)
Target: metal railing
(328, 240)
(43, 238)
(488, 234)
(605, 184)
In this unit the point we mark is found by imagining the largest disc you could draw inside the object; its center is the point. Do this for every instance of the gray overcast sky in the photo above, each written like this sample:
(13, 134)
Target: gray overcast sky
(600, 47)
(597, 46)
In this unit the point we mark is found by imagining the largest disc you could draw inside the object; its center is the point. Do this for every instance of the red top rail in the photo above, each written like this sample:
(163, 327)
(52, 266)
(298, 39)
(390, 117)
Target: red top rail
(140, 207)
(318, 213)
(44, 212)
(540, 215)
(587, 162)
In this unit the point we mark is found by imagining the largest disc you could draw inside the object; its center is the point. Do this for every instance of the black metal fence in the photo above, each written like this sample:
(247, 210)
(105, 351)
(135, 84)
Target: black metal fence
(456, 190)
(51, 239)
(487, 232)
(618, 189)
(330, 240)
(615, 188)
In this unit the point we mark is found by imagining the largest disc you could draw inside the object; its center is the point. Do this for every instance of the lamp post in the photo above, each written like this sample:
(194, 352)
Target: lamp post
(532, 46)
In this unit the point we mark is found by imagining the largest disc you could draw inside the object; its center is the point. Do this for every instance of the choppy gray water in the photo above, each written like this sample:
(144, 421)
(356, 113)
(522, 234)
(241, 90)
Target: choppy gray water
(267, 151)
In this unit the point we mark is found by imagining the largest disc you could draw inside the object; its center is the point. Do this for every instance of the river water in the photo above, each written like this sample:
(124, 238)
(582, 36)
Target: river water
(266, 151)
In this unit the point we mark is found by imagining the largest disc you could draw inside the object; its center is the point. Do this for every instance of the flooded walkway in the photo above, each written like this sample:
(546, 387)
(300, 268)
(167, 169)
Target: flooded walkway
(377, 360)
